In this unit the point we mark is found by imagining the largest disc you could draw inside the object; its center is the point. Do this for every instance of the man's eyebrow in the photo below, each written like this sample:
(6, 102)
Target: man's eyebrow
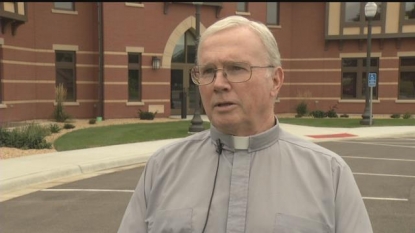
(228, 62)
(208, 65)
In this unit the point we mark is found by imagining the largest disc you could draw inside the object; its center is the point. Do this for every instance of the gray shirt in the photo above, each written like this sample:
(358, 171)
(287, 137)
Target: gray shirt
(290, 185)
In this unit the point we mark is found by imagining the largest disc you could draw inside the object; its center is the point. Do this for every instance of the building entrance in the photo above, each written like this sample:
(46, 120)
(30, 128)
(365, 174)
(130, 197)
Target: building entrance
(181, 84)
(183, 60)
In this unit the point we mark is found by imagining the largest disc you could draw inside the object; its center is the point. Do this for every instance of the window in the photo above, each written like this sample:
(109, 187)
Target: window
(242, 7)
(354, 78)
(67, 6)
(65, 73)
(185, 50)
(409, 10)
(273, 13)
(407, 78)
(134, 76)
(354, 12)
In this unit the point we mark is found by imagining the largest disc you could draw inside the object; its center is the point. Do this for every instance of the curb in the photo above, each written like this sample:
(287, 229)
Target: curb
(17, 183)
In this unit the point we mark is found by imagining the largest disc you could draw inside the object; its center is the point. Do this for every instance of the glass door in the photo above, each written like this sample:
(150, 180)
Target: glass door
(176, 91)
(181, 82)
(191, 95)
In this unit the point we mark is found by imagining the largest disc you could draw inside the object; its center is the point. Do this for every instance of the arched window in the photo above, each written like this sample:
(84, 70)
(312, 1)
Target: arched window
(184, 52)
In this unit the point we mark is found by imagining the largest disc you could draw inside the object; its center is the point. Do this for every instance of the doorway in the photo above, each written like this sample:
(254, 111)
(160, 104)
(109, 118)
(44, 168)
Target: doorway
(181, 83)
(183, 60)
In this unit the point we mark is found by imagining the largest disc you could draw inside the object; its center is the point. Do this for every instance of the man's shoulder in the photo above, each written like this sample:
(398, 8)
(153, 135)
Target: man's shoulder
(189, 140)
(308, 148)
(183, 145)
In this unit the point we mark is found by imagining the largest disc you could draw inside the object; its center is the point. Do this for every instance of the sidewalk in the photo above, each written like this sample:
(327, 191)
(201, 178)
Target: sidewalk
(18, 173)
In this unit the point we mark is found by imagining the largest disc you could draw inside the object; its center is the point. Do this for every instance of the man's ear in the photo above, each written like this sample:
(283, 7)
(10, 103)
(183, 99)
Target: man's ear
(277, 81)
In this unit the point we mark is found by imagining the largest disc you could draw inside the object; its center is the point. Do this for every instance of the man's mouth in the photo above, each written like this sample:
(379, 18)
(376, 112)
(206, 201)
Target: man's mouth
(224, 104)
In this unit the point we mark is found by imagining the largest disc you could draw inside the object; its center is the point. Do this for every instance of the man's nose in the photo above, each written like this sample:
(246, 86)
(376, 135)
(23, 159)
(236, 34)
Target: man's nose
(220, 80)
(221, 72)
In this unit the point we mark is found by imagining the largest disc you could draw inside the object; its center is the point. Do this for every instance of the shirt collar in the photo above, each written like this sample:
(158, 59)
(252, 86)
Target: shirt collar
(250, 143)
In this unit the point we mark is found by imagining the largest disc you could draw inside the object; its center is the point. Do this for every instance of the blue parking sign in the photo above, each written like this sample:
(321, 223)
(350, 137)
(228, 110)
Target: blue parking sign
(372, 80)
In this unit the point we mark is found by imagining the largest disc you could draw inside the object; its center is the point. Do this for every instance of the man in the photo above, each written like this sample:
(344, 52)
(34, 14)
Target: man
(245, 174)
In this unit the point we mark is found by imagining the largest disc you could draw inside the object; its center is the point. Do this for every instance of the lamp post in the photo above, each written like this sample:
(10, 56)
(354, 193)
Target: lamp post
(197, 122)
(370, 12)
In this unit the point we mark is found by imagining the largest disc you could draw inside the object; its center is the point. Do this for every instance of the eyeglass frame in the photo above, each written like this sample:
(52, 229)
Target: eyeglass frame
(217, 69)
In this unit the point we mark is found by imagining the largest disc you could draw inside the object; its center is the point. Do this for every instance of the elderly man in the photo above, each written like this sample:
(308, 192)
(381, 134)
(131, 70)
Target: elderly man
(245, 174)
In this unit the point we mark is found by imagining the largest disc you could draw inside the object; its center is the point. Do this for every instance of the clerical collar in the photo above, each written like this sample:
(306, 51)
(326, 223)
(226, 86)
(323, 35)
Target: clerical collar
(250, 143)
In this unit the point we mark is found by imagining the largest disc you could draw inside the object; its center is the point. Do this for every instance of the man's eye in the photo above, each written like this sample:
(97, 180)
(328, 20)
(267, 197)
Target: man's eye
(208, 71)
(236, 68)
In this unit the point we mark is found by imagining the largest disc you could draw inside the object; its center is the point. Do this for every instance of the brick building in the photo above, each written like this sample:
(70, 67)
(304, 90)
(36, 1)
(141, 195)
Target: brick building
(106, 55)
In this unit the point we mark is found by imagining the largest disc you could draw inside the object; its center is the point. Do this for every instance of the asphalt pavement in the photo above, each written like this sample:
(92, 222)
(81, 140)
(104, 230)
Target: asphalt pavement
(19, 173)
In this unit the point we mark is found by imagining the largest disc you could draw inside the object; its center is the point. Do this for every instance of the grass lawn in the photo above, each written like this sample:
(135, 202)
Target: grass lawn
(130, 133)
(121, 134)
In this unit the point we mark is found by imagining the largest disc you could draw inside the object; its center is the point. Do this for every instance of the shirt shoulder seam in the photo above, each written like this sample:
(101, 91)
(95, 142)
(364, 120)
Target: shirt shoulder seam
(330, 155)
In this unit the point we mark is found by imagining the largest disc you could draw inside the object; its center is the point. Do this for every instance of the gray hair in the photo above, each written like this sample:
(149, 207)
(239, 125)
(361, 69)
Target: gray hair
(258, 28)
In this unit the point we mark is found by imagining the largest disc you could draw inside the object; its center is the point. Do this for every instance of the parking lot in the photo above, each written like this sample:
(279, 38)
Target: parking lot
(384, 170)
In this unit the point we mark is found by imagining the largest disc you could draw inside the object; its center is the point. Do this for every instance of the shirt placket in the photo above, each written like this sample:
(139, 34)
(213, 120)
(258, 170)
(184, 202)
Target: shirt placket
(238, 199)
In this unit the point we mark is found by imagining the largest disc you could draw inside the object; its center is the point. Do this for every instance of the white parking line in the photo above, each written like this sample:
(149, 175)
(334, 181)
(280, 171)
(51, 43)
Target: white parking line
(359, 157)
(378, 174)
(385, 199)
(377, 144)
(390, 139)
(88, 190)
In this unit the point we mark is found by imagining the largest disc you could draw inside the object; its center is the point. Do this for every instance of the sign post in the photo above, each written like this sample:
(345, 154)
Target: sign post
(371, 84)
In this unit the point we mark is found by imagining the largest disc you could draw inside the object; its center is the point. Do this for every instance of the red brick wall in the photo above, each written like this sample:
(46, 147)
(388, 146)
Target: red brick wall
(311, 66)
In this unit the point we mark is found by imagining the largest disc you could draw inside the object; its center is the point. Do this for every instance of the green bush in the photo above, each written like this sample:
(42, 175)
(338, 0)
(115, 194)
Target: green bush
(344, 115)
(54, 128)
(59, 113)
(318, 114)
(31, 136)
(68, 126)
(396, 115)
(92, 121)
(301, 109)
(331, 113)
(4, 136)
(407, 115)
(145, 115)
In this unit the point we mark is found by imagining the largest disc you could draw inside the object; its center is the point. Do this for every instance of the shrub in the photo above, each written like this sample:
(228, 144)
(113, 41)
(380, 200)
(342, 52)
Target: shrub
(54, 128)
(92, 121)
(318, 114)
(332, 112)
(396, 115)
(407, 115)
(145, 115)
(301, 109)
(31, 136)
(4, 136)
(344, 115)
(68, 126)
(59, 113)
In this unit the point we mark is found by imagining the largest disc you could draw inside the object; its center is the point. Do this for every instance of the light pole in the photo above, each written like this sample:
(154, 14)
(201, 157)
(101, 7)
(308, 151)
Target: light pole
(197, 122)
(370, 12)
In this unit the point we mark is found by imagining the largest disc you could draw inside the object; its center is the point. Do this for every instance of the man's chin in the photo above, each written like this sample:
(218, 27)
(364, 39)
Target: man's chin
(224, 124)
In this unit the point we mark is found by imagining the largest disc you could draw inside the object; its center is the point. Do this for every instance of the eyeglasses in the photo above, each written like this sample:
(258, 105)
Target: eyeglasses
(235, 72)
